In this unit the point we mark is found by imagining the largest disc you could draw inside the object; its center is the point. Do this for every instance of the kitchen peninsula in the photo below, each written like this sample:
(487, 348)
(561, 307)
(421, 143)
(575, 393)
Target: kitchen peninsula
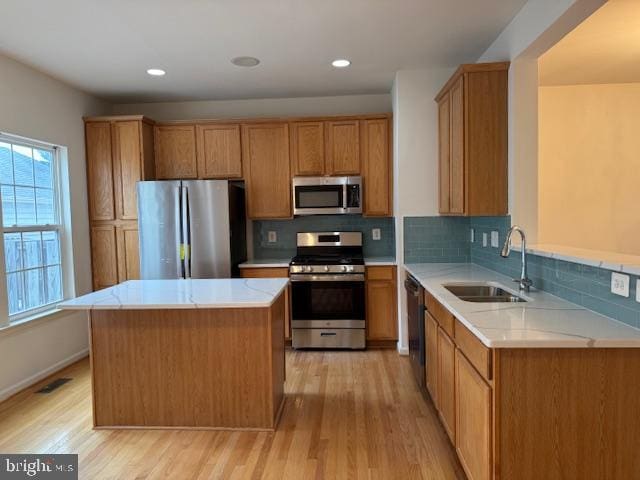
(187, 353)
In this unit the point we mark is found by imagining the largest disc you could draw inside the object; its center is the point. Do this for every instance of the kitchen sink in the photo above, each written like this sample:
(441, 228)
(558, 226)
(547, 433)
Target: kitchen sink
(483, 293)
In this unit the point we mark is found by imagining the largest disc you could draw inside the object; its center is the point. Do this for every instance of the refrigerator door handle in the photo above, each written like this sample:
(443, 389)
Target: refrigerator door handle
(186, 240)
(178, 227)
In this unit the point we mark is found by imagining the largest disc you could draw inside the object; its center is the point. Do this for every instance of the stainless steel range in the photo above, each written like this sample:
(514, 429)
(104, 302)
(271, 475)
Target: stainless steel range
(328, 291)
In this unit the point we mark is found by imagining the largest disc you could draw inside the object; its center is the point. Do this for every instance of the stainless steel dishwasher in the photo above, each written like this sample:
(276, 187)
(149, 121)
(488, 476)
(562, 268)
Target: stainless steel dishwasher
(415, 315)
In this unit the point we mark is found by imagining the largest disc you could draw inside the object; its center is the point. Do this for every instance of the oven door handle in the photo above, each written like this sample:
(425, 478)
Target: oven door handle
(323, 277)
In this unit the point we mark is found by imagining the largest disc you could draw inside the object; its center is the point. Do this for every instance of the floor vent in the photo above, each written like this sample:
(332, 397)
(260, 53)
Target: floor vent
(58, 382)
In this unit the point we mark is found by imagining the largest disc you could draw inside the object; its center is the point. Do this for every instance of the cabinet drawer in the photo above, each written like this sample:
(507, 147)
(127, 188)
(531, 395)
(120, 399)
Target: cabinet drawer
(266, 272)
(474, 350)
(441, 314)
(381, 273)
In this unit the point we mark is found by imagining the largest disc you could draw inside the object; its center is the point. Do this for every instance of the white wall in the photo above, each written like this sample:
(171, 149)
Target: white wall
(37, 106)
(268, 107)
(415, 143)
(537, 27)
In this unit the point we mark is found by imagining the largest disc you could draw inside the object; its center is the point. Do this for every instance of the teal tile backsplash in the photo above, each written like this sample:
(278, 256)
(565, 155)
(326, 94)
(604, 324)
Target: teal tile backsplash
(286, 230)
(448, 239)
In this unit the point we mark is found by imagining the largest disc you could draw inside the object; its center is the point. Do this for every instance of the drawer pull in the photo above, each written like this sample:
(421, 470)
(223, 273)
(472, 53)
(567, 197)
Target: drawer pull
(327, 334)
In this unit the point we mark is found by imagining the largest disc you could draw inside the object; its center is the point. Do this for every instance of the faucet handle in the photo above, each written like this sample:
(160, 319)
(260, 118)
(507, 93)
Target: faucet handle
(525, 283)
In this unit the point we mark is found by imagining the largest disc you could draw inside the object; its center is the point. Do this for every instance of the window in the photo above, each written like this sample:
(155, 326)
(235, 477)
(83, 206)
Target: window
(31, 226)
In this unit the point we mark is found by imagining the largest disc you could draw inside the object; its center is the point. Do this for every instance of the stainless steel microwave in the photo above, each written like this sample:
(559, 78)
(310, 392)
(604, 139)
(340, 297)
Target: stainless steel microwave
(327, 195)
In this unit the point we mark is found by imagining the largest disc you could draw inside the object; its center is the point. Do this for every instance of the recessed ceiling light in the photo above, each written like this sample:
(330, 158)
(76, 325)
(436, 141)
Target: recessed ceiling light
(156, 72)
(341, 63)
(245, 61)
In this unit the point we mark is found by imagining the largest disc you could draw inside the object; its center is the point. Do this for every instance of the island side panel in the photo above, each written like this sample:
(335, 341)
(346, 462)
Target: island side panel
(568, 413)
(206, 368)
(277, 320)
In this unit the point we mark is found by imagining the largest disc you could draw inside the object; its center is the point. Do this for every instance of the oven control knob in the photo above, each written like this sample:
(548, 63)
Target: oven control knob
(326, 268)
(306, 268)
(345, 268)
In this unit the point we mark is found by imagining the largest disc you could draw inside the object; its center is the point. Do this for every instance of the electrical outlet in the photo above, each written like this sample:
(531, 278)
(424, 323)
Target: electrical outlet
(620, 284)
(473, 235)
(272, 236)
(638, 290)
(375, 233)
(494, 239)
(484, 239)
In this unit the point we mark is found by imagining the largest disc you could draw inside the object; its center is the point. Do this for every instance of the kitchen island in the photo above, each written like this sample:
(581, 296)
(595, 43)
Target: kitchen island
(192, 353)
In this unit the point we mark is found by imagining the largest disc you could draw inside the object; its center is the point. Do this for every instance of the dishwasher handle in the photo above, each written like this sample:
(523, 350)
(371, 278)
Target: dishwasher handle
(412, 287)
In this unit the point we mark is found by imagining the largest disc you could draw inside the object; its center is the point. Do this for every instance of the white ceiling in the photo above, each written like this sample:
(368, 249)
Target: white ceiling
(105, 46)
(605, 48)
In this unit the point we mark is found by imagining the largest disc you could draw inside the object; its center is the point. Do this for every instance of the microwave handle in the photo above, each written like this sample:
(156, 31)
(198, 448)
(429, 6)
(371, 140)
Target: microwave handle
(345, 197)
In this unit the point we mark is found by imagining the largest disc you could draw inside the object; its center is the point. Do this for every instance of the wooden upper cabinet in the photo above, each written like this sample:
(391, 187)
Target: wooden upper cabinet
(472, 123)
(175, 151)
(473, 420)
(265, 155)
(342, 147)
(218, 150)
(456, 166)
(377, 169)
(100, 170)
(127, 167)
(307, 148)
(444, 152)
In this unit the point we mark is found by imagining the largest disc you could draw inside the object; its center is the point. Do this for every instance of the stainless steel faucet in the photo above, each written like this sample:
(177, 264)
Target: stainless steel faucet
(524, 282)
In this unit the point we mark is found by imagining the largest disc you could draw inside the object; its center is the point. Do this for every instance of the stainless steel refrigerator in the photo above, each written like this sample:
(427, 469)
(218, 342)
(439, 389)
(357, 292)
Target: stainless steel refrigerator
(191, 228)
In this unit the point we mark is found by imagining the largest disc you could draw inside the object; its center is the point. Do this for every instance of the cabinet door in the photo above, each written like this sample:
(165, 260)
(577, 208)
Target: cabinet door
(265, 154)
(444, 152)
(456, 197)
(175, 152)
(431, 332)
(127, 163)
(128, 252)
(376, 167)
(446, 383)
(274, 272)
(104, 256)
(473, 420)
(219, 151)
(343, 147)
(99, 170)
(381, 310)
(307, 148)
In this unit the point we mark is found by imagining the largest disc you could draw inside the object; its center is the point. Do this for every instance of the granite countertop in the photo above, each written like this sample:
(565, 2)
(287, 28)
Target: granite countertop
(183, 294)
(543, 321)
(284, 262)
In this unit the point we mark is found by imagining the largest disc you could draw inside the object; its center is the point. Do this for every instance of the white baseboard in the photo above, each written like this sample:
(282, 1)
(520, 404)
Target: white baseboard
(403, 350)
(27, 382)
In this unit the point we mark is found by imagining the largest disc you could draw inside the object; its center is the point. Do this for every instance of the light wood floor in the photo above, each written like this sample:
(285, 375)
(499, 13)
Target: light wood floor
(347, 415)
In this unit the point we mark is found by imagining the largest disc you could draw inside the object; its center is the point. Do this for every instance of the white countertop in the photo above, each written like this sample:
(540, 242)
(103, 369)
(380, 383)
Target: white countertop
(543, 321)
(280, 262)
(189, 294)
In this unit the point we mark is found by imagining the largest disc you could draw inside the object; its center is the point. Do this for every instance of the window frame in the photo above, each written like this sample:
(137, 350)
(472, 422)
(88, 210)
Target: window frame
(59, 226)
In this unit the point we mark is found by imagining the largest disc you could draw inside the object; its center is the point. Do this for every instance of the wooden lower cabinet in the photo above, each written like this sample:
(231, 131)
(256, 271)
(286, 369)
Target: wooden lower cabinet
(473, 420)
(446, 383)
(431, 332)
(382, 305)
(274, 272)
(532, 413)
(128, 252)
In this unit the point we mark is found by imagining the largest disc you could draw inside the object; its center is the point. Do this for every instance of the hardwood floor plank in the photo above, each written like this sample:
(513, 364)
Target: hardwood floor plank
(355, 415)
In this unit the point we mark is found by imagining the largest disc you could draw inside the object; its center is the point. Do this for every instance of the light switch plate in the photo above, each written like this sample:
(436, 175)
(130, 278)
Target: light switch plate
(272, 236)
(620, 284)
(494, 239)
(375, 233)
(473, 235)
(638, 290)
(484, 240)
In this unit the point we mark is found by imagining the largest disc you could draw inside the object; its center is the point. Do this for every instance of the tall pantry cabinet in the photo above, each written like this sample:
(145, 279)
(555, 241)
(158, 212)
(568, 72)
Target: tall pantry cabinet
(119, 153)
